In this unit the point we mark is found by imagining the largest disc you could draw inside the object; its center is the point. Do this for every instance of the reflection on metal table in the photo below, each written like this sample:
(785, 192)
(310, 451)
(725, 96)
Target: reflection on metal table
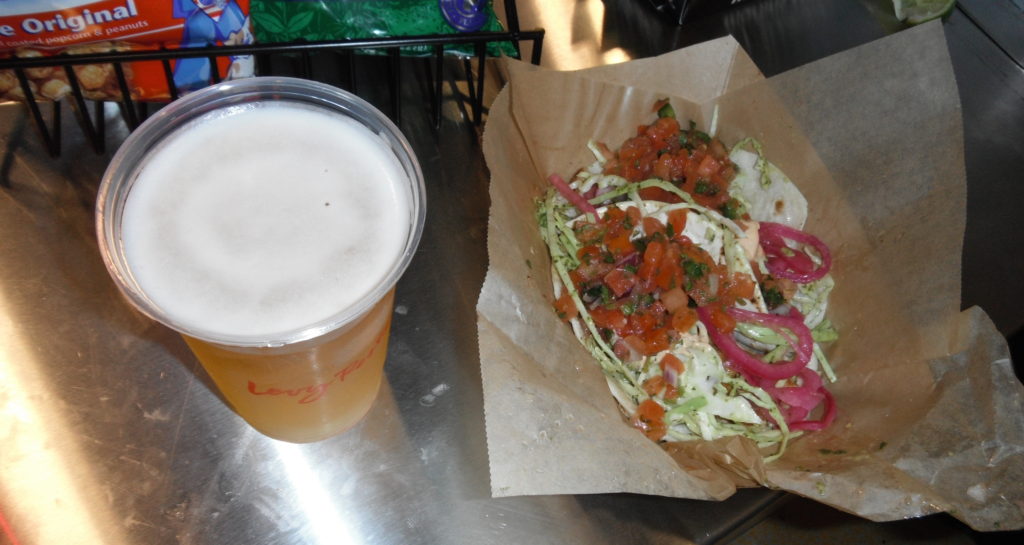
(112, 433)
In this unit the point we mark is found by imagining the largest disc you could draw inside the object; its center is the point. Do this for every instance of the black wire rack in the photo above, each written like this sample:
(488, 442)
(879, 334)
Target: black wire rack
(299, 56)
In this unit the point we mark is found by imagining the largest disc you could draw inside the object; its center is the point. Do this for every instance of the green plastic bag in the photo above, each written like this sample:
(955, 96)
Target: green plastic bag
(278, 21)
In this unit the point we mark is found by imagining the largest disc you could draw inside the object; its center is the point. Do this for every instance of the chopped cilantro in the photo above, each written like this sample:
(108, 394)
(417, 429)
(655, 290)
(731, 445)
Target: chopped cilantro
(731, 209)
(694, 270)
(666, 111)
(772, 297)
(705, 187)
(684, 141)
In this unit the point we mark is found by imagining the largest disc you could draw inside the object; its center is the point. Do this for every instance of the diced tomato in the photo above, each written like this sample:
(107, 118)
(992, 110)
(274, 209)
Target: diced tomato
(658, 194)
(589, 254)
(739, 286)
(650, 419)
(670, 274)
(677, 219)
(680, 159)
(609, 318)
(664, 133)
(613, 216)
(721, 320)
(698, 268)
(671, 392)
(635, 148)
(565, 307)
(663, 167)
(684, 319)
(652, 259)
(577, 277)
(635, 343)
(690, 170)
(588, 233)
(589, 272)
(632, 216)
(641, 322)
(651, 225)
(671, 362)
(674, 299)
(653, 385)
(657, 340)
(632, 171)
(619, 244)
(667, 277)
(708, 166)
(620, 281)
(701, 293)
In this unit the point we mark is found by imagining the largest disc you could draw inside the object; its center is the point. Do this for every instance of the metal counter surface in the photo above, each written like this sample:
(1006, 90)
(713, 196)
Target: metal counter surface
(110, 432)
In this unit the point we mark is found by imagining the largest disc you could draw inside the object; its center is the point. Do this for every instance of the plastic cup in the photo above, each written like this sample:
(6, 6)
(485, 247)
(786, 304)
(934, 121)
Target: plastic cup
(303, 381)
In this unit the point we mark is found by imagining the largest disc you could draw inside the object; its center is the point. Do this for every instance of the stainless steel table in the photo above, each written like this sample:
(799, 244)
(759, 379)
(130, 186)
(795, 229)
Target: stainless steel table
(111, 433)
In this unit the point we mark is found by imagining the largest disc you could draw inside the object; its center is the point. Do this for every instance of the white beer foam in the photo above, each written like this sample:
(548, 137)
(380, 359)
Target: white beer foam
(265, 219)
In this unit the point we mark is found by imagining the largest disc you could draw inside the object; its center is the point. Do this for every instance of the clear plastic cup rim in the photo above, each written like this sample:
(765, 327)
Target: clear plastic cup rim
(126, 163)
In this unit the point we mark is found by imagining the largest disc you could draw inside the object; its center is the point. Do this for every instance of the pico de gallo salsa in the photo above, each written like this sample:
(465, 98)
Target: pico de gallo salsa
(706, 321)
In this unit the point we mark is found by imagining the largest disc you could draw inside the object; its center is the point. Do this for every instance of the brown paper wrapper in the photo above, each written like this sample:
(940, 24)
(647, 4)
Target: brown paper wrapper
(931, 416)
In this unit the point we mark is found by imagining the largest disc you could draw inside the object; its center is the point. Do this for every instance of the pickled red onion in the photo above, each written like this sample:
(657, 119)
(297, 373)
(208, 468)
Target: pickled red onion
(747, 363)
(794, 267)
(806, 396)
(573, 197)
(794, 322)
(799, 400)
(826, 418)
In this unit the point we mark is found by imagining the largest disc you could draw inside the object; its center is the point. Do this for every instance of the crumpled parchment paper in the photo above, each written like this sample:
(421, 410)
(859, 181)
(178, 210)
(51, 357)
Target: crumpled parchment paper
(931, 415)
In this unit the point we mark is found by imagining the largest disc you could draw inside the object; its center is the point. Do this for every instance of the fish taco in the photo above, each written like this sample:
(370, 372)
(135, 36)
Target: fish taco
(681, 265)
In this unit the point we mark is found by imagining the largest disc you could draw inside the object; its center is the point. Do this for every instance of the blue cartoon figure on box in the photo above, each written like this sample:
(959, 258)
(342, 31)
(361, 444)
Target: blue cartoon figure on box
(210, 22)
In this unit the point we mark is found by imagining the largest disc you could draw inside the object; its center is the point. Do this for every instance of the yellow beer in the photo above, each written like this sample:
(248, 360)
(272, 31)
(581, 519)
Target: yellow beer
(267, 221)
(308, 391)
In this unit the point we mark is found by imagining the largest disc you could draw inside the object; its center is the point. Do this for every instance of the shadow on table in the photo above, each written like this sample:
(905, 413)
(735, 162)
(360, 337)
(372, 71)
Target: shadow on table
(800, 520)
